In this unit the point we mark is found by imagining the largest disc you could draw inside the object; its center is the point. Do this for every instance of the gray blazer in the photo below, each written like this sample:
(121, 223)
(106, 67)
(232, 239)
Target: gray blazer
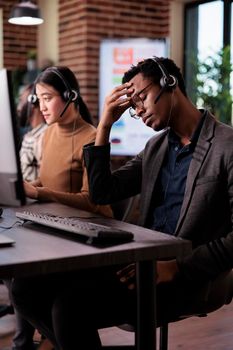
(206, 216)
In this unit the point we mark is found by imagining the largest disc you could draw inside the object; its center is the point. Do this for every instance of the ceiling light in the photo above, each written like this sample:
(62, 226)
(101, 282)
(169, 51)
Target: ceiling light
(25, 13)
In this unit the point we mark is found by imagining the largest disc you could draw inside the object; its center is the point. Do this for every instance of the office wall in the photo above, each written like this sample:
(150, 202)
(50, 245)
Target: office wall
(73, 30)
(84, 23)
(17, 40)
(177, 30)
(48, 38)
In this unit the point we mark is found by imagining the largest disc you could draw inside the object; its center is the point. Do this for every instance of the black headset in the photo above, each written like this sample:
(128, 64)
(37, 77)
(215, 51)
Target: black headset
(69, 95)
(167, 80)
(32, 98)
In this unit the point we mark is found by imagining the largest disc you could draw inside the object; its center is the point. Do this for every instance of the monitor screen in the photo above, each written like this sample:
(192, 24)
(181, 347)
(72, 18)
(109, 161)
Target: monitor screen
(11, 184)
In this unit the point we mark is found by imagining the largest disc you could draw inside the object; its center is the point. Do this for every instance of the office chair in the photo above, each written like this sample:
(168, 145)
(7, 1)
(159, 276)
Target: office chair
(221, 294)
(124, 210)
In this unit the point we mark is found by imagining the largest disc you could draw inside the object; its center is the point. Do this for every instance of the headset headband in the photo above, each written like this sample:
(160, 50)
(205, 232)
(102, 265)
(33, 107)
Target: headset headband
(69, 95)
(167, 79)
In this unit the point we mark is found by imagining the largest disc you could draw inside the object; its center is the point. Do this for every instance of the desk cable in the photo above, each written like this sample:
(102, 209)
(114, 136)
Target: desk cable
(11, 226)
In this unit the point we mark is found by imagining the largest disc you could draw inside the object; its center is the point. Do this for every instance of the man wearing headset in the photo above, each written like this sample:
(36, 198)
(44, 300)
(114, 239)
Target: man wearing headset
(185, 179)
(184, 174)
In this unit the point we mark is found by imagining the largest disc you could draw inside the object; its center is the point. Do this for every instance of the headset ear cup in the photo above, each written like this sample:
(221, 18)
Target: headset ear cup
(75, 95)
(66, 95)
(169, 81)
(32, 98)
(70, 95)
(163, 82)
(172, 81)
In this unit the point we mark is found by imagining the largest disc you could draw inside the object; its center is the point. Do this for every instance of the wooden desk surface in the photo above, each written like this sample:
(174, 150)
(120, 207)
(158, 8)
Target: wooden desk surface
(38, 251)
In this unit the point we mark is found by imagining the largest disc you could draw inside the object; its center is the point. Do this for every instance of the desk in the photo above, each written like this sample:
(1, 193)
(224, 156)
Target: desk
(38, 252)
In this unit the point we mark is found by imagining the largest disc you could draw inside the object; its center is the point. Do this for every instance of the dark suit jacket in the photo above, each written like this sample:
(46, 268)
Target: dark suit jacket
(206, 216)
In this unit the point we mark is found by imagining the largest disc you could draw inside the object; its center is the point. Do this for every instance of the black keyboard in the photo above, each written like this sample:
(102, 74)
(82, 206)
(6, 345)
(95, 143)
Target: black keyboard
(93, 233)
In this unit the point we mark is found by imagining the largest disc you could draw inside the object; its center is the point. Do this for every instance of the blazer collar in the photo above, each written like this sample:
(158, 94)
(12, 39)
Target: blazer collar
(201, 150)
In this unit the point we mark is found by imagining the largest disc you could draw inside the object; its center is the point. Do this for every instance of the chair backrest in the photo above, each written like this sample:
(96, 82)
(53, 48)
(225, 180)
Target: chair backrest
(125, 210)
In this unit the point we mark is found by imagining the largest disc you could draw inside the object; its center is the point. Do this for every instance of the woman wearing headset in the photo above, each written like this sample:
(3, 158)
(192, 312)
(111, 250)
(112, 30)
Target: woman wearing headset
(62, 175)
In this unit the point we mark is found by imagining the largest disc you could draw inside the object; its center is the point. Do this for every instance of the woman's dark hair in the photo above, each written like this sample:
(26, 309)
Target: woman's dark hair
(61, 78)
(24, 113)
(150, 69)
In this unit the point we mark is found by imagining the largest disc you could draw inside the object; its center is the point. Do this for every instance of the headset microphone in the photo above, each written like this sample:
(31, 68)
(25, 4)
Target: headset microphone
(66, 106)
(160, 93)
(167, 82)
(69, 95)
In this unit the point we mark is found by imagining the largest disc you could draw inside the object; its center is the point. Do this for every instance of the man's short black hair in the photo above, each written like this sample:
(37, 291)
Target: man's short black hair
(150, 69)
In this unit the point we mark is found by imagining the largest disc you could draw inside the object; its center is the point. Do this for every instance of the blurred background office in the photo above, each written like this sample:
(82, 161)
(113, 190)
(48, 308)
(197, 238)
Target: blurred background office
(99, 40)
(73, 31)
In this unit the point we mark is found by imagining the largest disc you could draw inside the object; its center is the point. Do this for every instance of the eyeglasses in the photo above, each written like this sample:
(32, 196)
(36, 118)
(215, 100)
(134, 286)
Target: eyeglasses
(138, 102)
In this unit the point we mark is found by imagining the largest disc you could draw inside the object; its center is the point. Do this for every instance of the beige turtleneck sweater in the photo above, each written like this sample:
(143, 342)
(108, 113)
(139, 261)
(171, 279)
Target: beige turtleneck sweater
(63, 177)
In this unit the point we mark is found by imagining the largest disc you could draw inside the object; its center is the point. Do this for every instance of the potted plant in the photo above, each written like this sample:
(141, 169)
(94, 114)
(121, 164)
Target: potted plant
(31, 59)
(212, 84)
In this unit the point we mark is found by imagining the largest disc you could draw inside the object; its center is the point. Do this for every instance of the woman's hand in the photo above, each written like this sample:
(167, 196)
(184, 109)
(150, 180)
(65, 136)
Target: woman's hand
(30, 190)
(115, 105)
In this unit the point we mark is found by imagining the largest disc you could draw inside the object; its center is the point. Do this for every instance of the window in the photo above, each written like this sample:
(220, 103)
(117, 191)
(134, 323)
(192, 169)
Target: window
(207, 30)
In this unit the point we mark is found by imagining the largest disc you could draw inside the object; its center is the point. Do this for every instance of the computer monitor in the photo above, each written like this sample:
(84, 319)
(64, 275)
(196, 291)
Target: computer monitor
(11, 183)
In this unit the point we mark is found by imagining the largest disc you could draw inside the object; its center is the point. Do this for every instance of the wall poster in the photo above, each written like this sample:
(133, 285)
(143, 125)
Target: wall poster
(128, 136)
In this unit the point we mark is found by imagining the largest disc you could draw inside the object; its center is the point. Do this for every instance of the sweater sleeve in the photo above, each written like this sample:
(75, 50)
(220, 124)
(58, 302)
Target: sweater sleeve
(80, 200)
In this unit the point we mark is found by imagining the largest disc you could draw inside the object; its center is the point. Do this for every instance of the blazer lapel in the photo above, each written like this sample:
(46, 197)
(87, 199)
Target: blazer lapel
(153, 165)
(201, 150)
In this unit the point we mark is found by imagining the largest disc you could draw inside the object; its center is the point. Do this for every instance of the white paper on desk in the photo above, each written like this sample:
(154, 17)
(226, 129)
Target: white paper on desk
(4, 240)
